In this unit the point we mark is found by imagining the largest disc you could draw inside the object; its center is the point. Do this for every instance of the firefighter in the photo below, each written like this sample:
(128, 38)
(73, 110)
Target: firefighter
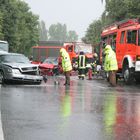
(110, 64)
(81, 65)
(94, 63)
(66, 65)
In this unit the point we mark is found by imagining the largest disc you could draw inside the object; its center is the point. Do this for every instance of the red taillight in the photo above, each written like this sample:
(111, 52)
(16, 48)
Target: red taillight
(138, 57)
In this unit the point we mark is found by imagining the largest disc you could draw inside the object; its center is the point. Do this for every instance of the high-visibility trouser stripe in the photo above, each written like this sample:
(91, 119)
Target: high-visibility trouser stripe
(82, 75)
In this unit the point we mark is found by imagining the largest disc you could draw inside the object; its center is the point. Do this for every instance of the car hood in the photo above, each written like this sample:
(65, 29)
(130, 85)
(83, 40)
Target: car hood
(20, 65)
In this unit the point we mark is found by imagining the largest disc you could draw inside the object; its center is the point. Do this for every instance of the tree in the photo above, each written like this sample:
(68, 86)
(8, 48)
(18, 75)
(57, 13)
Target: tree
(122, 9)
(115, 10)
(20, 26)
(42, 31)
(93, 32)
(72, 36)
(58, 32)
(1, 25)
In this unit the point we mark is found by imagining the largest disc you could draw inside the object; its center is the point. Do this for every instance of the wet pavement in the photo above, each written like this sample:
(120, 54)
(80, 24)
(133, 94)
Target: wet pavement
(87, 110)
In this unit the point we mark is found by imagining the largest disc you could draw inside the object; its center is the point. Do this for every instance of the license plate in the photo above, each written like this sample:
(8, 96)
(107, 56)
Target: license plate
(137, 66)
(30, 77)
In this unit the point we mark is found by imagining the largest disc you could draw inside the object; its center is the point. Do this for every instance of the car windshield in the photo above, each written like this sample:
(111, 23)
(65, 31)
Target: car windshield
(53, 61)
(12, 58)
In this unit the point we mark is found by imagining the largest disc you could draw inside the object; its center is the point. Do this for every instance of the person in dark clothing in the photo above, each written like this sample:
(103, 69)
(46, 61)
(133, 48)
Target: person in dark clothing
(81, 65)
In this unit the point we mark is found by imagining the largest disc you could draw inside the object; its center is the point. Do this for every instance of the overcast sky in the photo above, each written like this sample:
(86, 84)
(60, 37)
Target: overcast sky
(76, 14)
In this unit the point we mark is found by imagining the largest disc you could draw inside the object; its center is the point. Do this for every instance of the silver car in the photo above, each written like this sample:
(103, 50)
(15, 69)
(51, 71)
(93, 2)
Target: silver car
(17, 68)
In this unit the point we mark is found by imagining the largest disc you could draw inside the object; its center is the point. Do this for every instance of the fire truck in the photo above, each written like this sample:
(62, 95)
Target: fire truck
(46, 49)
(74, 48)
(124, 37)
(51, 49)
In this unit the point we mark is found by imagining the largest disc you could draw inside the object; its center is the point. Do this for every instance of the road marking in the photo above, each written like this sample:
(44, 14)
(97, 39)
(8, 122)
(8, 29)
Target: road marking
(100, 87)
(1, 131)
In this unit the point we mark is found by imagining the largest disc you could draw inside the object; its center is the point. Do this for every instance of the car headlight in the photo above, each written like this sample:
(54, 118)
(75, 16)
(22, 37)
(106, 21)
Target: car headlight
(16, 71)
(9, 70)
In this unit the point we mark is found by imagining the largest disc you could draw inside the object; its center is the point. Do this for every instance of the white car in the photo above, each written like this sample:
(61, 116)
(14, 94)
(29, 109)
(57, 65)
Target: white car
(16, 67)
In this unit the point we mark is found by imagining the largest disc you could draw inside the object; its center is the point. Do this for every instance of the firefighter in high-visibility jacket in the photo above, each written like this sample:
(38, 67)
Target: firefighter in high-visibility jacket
(81, 65)
(66, 65)
(110, 64)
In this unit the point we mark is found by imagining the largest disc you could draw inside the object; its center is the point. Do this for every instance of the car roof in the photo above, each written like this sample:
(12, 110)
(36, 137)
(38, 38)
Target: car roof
(10, 53)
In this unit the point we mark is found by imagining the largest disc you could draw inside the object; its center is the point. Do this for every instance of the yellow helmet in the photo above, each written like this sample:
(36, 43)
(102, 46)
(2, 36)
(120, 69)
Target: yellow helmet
(62, 50)
(108, 47)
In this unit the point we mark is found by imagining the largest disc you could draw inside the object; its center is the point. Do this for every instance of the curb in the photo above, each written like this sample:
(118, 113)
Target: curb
(1, 131)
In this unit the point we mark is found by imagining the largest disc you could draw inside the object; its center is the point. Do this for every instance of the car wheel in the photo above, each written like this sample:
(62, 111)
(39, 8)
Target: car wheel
(1, 77)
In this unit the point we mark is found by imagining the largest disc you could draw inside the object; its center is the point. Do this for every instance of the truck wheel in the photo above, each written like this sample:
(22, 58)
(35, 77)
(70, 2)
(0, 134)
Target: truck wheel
(137, 80)
(128, 75)
(1, 77)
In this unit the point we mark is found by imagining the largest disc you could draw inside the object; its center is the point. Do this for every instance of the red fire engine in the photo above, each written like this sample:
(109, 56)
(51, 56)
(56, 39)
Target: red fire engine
(40, 53)
(74, 48)
(124, 37)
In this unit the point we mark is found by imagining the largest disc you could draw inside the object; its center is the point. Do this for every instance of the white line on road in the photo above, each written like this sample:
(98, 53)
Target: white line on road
(1, 131)
(100, 87)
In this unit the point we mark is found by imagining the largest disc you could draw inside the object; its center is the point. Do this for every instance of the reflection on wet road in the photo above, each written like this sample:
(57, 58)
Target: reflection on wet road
(87, 110)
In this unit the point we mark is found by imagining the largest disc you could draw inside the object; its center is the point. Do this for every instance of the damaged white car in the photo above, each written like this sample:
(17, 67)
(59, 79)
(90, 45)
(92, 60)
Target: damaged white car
(17, 68)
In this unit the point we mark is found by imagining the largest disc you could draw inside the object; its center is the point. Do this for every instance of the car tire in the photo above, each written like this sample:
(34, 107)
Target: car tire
(1, 77)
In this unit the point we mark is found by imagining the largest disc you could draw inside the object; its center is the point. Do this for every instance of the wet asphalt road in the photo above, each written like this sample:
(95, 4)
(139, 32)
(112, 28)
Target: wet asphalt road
(87, 110)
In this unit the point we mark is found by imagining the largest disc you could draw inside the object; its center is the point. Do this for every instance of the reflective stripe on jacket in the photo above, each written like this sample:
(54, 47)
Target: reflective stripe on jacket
(82, 62)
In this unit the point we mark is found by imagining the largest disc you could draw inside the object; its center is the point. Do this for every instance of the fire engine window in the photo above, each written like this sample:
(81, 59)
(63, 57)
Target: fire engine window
(122, 37)
(70, 48)
(139, 38)
(131, 36)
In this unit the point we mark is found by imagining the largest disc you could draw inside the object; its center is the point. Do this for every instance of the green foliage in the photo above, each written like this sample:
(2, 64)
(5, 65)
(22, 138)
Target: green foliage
(72, 36)
(43, 31)
(1, 25)
(115, 10)
(93, 32)
(20, 26)
(58, 32)
(122, 9)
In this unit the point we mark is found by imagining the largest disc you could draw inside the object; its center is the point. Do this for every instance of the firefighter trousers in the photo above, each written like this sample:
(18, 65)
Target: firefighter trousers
(67, 78)
(112, 78)
(81, 73)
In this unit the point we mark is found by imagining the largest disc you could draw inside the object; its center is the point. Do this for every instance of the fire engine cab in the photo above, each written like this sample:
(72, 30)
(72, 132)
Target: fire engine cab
(74, 48)
(124, 37)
